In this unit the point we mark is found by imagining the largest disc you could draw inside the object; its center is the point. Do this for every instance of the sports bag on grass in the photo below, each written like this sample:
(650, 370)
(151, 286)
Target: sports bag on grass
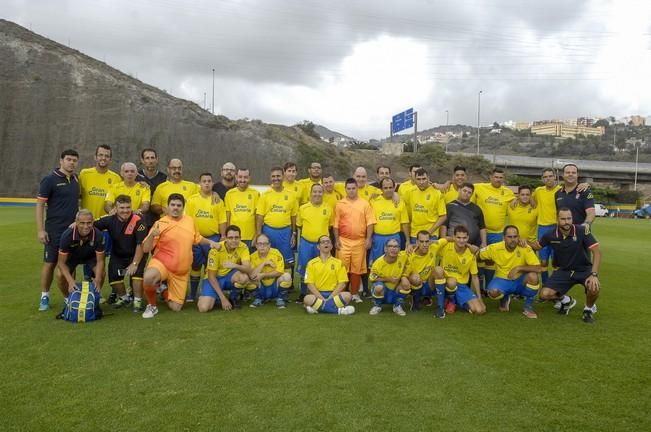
(82, 305)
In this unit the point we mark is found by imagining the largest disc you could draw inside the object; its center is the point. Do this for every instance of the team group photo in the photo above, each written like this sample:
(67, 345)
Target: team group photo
(355, 216)
(331, 244)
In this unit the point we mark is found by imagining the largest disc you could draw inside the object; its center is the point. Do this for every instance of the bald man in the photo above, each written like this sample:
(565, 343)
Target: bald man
(228, 180)
(364, 190)
(174, 184)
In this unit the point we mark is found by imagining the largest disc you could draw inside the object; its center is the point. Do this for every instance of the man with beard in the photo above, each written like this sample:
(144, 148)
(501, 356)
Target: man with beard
(138, 191)
(240, 203)
(127, 231)
(172, 237)
(227, 180)
(572, 246)
(174, 185)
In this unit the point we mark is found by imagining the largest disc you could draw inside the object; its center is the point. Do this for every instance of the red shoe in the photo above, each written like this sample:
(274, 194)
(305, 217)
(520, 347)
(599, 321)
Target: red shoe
(450, 307)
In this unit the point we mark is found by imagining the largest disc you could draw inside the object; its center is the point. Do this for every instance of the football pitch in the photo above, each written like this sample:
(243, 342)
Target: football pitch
(269, 369)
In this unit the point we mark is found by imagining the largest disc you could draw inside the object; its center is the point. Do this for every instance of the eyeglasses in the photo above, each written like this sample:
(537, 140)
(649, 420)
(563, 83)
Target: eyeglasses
(325, 242)
(233, 238)
(262, 243)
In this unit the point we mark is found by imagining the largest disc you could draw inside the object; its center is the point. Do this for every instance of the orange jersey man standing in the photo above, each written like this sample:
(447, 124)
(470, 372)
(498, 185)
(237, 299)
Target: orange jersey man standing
(353, 229)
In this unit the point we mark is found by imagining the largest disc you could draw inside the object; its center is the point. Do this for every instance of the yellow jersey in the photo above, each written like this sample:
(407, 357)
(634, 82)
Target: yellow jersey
(315, 221)
(425, 207)
(383, 269)
(240, 205)
(423, 264)
(306, 189)
(405, 188)
(216, 258)
(526, 219)
(457, 265)
(138, 193)
(276, 257)
(506, 260)
(93, 187)
(294, 186)
(277, 208)
(389, 217)
(546, 204)
(207, 216)
(167, 188)
(330, 199)
(325, 276)
(451, 194)
(493, 203)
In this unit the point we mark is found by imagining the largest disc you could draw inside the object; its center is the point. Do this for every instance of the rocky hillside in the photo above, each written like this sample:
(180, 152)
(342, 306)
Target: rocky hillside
(53, 97)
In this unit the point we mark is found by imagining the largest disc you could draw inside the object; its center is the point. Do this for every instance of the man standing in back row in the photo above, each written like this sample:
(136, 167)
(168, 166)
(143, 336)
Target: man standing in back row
(59, 192)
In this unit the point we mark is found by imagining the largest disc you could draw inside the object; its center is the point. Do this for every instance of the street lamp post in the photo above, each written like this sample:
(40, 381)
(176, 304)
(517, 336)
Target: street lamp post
(478, 117)
(212, 108)
(637, 152)
(447, 117)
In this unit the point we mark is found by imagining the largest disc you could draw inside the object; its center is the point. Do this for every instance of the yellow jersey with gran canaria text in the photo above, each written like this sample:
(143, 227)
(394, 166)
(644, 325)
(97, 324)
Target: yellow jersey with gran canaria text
(217, 258)
(207, 216)
(93, 187)
(425, 207)
(457, 265)
(493, 203)
(388, 215)
(506, 260)
(240, 207)
(277, 208)
(138, 193)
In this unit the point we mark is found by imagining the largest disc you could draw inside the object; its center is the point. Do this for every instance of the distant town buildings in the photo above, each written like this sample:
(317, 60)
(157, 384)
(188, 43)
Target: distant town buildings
(563, 130)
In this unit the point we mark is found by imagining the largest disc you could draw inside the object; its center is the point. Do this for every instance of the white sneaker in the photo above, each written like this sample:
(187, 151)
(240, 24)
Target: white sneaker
(150, 311)
(311, 310)
(594, 308)
(357, 299)
(375, 310)
(557, 304)
(398, 310)
(346, 310)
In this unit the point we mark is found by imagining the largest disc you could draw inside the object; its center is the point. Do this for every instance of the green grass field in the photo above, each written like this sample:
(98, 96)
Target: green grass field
(269, 369)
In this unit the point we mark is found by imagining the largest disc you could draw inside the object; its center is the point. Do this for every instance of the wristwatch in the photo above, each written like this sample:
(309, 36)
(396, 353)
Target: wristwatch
(595, 274)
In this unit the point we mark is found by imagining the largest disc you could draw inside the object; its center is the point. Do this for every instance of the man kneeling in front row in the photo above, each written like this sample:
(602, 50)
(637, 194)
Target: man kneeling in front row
(228, 268)
(326, 278)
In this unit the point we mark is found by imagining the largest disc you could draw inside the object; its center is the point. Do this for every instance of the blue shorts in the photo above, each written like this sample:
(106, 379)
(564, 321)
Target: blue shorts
(494, 238)
(463, 295)
(377, 246)
(515, 286)
(200, 252)
(306, 251)
(225, 284)
(330, 306)
(280, 238)
(391, 296)
(267, 292)
(547, 252)
(108, 244)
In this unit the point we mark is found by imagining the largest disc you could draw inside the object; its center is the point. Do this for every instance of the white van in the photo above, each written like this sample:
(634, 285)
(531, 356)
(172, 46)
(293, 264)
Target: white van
(600, 210)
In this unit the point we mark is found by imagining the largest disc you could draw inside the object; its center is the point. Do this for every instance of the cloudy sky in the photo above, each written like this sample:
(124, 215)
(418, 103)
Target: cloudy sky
(350, 65)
